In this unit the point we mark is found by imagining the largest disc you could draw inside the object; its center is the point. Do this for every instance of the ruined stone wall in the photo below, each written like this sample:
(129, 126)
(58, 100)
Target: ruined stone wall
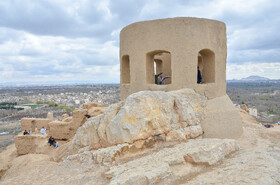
(27, 144)
(43, 123)
(27, 124)
(33, 123)
(66, 130)
(184, 39)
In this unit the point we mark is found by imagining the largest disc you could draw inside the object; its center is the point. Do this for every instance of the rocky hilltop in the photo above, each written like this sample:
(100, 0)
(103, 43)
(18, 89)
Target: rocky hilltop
(156, 138)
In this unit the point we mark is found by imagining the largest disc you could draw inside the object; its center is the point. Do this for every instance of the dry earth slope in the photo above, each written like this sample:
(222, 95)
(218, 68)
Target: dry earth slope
(252, 159)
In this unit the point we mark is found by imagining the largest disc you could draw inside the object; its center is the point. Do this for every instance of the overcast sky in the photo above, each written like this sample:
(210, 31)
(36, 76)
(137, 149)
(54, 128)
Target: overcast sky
(78, 40)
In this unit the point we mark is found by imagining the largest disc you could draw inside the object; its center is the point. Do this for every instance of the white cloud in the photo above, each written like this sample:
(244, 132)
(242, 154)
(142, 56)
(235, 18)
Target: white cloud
(78, 40)
(37, 57)
(268, 70)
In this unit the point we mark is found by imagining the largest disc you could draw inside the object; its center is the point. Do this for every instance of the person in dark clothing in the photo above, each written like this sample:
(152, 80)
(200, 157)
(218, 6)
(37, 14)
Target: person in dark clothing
(199, 77)
(25, 132)
(88, 116)
(51, 141)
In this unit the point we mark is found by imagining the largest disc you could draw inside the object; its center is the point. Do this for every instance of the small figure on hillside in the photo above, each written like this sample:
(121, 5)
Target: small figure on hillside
(161, 79)
(30, 132)
(25, 132)
(199, 77)
(51, 141)
(88, 116)
(43, 131)
(55, 144)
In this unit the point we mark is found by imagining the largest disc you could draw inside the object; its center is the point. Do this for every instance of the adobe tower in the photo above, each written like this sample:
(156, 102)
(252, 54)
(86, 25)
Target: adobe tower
(174, 47)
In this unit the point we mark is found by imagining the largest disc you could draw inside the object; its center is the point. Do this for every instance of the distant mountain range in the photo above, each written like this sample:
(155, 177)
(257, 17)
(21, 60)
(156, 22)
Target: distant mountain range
(254, 79)
(49, 83)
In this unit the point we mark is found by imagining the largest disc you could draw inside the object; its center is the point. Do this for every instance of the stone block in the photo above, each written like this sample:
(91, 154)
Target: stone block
(27, 144)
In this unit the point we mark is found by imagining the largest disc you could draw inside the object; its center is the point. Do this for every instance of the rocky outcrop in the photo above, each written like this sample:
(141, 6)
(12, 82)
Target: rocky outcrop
(244, 107)
(107, 156)
(174, 116)
(103, 156)
(199, 161)
(173, 163)
(94, 109)
(180, 161)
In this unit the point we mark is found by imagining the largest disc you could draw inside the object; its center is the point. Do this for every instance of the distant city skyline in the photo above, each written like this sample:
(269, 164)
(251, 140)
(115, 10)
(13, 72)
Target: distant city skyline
(78, 41)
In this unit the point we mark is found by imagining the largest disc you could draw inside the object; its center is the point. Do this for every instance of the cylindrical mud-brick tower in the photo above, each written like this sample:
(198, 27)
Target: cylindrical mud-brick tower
(174, 47)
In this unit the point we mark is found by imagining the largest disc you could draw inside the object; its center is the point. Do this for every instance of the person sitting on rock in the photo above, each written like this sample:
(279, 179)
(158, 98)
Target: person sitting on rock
(55, 144)
(88, 116)
(25, 132)
(51, 141)
(43, 131)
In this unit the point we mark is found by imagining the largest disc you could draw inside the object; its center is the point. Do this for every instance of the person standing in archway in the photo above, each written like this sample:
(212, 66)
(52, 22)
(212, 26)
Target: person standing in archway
(199, 77)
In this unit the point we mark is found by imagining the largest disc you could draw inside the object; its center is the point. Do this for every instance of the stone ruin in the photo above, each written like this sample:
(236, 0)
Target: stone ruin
(152, 115)
(67, 127)
(64, 129)
(177, 111)
(36, 123)
(142, 118)
(156, 134)
(175, 47)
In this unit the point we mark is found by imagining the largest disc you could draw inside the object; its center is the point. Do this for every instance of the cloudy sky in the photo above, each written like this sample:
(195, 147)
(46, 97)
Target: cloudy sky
(78, 40)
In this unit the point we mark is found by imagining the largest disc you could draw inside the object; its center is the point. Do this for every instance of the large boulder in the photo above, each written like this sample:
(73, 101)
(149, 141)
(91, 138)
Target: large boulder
(173, 116)
(142, 115)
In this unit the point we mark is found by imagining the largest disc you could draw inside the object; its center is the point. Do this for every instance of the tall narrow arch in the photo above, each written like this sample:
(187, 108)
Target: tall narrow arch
(206, 64)
(157, 62)
(125, 70)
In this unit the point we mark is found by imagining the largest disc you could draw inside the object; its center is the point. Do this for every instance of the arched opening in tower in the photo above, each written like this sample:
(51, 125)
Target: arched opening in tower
(158, 67)
(206, 66)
